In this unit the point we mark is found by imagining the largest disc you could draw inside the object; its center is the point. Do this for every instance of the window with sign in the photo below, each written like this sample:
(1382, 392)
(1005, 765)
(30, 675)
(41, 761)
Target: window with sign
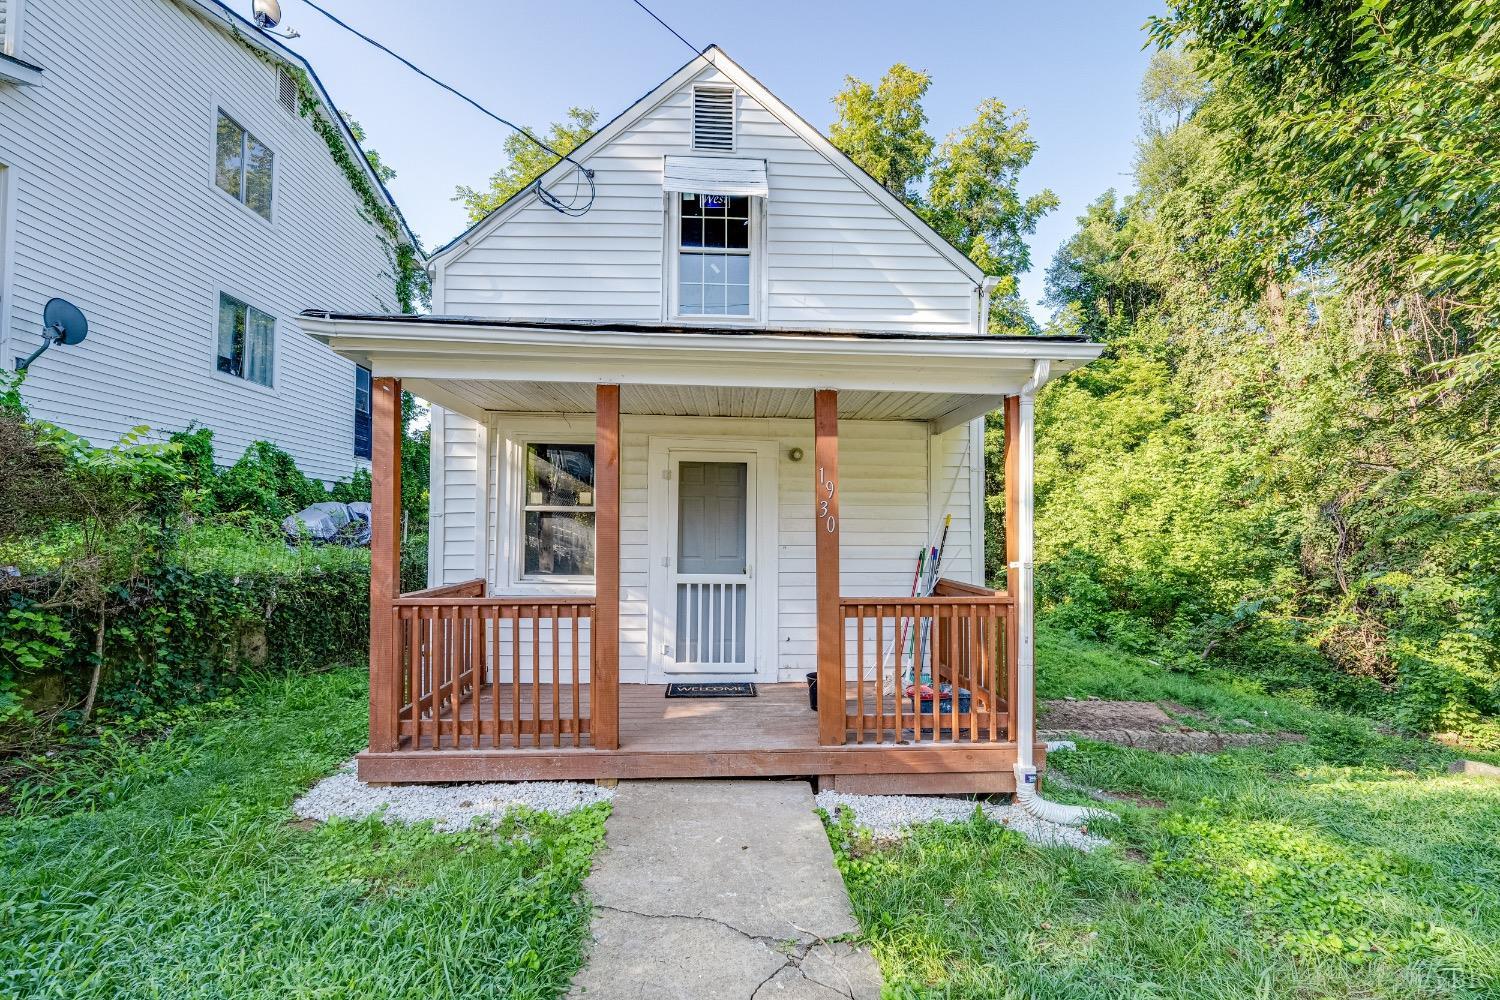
(559, 511)
(713, 260)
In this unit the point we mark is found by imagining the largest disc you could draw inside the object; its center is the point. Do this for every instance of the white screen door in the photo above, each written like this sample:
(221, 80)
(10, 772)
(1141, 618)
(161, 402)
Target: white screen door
(710, 585)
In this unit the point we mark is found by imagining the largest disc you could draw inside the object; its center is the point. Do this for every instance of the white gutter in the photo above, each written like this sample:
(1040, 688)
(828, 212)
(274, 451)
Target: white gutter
(1027, 796)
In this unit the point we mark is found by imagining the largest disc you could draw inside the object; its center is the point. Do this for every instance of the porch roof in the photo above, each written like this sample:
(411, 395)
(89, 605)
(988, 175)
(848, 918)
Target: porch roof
(472, 364)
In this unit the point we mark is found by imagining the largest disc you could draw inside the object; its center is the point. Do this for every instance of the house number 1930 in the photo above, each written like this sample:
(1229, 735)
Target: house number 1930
(827, 515)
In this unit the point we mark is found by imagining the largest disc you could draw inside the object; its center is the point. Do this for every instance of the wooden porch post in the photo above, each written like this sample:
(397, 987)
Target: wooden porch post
(1012, 424)
(604, 676)
(385, 561)
(831, 694)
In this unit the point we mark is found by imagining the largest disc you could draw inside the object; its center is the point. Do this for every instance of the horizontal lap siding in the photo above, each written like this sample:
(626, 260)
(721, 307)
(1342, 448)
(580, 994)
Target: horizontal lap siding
(835, 256)
(885, 473)
(126, 223)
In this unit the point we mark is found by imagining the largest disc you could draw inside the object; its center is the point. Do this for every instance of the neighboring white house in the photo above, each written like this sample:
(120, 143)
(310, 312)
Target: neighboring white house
(797, 238)
(157, 170)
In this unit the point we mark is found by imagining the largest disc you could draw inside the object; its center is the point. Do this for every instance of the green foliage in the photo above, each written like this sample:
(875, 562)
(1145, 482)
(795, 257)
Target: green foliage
(1364, 135)
(412, 286)
(525, 161)
(883, 127)
(171, 868)
(1286, 473)
(1350, 865)
(973, 176)
(265, 480)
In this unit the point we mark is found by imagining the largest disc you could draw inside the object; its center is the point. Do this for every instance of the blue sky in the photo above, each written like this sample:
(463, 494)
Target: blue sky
(1073, 66)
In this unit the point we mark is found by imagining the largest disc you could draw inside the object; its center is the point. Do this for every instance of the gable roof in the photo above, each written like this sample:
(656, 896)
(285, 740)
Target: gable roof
(224, 18)
(714, 57)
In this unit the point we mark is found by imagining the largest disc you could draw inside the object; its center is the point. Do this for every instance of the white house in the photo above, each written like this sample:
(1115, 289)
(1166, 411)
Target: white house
(158, 168)
(701, 432)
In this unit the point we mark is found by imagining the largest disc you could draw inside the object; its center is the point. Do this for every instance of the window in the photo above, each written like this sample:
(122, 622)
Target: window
(10, 16)
(363, 442)
(713, 119)
(713, 261)
(247, 340)
(242, 166)
(559, 510)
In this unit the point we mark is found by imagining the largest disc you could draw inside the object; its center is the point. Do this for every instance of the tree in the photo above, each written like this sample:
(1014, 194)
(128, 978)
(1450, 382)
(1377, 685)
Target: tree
(972, 196)
(525, 161)
(883, 127)
(1366, 136)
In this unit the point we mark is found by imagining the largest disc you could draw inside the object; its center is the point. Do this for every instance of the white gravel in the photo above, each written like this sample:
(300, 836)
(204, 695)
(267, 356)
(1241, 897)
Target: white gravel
(451, 807)
(887, 816)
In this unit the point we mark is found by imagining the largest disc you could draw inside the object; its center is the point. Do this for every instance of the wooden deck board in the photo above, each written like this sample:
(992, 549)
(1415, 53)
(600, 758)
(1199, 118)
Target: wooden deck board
(775, 734)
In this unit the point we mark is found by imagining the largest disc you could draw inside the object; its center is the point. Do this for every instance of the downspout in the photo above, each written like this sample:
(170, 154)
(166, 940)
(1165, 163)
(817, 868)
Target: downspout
(1027, 796)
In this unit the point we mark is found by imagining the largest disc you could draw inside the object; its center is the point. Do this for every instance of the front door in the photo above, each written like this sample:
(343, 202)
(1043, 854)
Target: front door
(710, 591)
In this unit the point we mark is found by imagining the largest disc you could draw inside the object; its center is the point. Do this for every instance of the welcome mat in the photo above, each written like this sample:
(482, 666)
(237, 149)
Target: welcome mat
(733, 689)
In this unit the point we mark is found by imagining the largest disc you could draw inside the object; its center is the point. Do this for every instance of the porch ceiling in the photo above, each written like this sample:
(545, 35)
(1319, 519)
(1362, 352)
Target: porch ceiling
(476, 365)
(685, 400)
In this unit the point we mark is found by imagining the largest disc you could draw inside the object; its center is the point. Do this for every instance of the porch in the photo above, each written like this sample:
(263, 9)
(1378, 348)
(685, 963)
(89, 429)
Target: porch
(495, 688)
(522, 680)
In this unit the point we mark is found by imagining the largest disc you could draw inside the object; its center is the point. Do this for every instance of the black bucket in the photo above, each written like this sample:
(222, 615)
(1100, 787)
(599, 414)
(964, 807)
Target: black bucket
(812, 690)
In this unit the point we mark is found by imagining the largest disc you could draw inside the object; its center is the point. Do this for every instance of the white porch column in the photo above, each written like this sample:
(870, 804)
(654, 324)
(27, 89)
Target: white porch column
(1022, 569)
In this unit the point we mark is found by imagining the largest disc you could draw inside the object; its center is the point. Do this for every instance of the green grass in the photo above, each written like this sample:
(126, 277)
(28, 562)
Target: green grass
(1351, 865)
(172, 869)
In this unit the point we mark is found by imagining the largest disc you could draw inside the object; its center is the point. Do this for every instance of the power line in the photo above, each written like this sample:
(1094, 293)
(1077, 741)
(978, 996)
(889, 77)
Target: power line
(664, 24)
(573, 208)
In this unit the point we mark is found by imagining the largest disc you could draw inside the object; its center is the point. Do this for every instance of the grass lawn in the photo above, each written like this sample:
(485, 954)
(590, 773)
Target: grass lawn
(1348, 866)
(173, 870)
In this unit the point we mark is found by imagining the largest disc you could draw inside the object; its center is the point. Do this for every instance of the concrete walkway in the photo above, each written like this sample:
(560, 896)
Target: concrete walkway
(720, 889)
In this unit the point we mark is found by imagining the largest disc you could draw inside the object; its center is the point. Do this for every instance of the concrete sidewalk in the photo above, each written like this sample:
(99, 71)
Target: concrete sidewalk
(710, 889)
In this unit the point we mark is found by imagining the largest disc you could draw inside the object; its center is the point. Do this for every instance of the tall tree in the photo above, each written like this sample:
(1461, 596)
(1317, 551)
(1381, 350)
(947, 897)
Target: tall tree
(972, 196)
(525, 161)
(883, 127)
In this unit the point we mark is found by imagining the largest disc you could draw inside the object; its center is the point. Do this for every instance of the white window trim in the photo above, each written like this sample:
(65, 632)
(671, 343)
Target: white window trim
(672, 251)
(223, 108)
(510, 535)
(213, 343)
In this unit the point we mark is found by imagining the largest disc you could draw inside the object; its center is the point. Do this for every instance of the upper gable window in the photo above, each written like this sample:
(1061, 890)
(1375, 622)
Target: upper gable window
(713, 258)
(713, 119)
(243, 166)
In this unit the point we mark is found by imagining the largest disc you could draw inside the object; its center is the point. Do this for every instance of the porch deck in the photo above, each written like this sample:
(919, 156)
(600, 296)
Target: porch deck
(774, 734)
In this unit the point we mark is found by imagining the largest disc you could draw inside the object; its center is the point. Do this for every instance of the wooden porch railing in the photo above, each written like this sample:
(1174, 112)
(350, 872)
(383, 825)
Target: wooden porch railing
(955, 637)
(492, 672)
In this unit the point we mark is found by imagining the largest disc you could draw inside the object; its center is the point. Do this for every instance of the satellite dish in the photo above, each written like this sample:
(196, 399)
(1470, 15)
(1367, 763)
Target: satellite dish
(267, 14)
(64, 322)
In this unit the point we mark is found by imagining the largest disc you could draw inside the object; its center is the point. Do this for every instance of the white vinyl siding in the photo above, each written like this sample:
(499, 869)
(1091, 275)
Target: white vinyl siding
(890, 511)
(835, 255)
(130, 227)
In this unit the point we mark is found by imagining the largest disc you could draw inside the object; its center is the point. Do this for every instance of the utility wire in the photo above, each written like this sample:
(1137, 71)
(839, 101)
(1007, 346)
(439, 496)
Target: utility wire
(664, 24)
(574, 207)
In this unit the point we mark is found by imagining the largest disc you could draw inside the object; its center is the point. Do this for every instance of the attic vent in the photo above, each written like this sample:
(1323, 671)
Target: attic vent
(286, 90)
(713, 119)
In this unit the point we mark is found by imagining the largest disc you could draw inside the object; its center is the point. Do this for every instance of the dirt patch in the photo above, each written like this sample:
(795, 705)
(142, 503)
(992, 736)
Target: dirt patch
(1093, 716)
(1145, 725)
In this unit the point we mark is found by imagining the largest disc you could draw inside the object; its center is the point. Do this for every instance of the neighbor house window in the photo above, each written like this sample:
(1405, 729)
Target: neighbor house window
(559, 510)
(713, 260)
(243, 166)
(363, 440)
(247, 341)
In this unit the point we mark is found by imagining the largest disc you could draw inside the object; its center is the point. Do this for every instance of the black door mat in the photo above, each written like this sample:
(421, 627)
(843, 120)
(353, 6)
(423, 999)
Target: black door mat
(734, 689)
